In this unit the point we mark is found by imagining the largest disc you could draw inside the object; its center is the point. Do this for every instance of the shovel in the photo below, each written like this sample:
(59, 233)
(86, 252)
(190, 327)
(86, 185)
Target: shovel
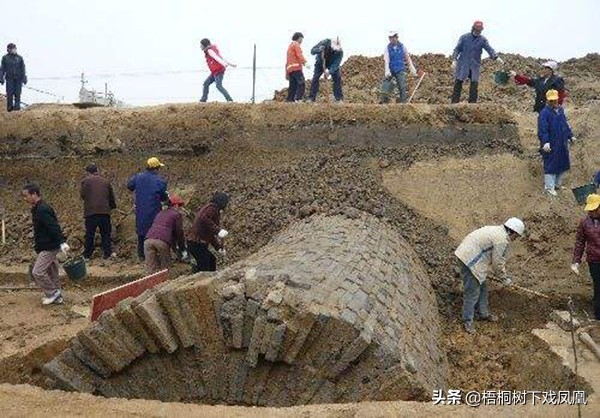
(524, 289)
(416, 87)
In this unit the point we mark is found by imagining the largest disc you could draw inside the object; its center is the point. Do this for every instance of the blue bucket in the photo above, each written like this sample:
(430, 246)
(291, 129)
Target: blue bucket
(582, 192)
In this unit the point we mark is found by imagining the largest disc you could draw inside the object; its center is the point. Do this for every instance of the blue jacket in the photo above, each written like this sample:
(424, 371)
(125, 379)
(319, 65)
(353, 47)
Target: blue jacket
(396, 54)
(554, 129)
(597, 179)
(150, 190)
(333, 59)
(468, 53)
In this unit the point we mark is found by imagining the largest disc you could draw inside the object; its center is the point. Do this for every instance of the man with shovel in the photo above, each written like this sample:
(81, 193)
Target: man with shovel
(49, 240)
(588, 240)
(328, 62)
(481, 250)
(396, 59)
(466, 61)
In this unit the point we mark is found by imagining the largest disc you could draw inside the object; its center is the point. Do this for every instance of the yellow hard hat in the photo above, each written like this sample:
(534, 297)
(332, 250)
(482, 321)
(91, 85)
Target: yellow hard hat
(154, 162)
(592, 202)
(552, 95)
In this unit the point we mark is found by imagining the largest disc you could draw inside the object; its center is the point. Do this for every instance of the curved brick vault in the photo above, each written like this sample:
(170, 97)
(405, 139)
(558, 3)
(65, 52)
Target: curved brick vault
(333, 309)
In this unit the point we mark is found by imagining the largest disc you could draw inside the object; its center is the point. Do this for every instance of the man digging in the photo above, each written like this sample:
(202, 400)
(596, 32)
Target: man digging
(481, 250)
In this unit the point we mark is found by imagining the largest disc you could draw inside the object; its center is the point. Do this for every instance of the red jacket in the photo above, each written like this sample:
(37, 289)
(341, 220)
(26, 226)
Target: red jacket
(588, 239)
(206, 226)
(214, 66)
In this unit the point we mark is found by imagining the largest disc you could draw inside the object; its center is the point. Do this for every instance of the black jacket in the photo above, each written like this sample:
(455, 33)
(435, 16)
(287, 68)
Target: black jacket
(46, 231)
(13, 67)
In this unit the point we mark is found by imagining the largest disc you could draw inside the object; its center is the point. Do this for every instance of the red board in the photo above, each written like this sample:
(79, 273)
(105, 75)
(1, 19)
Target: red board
(109, 299)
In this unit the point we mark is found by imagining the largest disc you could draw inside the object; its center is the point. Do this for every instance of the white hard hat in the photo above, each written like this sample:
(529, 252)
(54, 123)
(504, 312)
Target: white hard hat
(515, 225)
(336, 45)
(550, 64)
(392, 33)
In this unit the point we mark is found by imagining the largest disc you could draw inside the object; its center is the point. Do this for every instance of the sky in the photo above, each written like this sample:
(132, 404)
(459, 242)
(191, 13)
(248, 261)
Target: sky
(148, 50)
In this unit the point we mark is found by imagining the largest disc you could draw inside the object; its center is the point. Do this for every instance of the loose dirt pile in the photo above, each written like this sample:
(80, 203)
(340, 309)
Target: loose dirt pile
(362, 78)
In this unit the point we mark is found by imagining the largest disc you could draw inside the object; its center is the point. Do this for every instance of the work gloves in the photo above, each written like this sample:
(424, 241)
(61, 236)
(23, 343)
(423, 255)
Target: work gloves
(223, 252)
(184, 256)
(507, 281)
(223, 234)
(575, 268)
(546, 147)
(64, 247)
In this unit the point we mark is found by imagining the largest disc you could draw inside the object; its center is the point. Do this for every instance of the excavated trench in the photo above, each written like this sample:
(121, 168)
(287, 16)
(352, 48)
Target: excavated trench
(334, 291)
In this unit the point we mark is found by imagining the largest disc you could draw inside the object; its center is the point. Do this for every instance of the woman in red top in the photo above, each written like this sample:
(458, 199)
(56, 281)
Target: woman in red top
(588, 239)
(293, 69)
(217, 65)
(206, 230)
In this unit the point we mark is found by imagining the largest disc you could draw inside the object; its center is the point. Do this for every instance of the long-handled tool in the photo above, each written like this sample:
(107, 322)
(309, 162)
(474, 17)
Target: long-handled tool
(416, 87)
(524, 289)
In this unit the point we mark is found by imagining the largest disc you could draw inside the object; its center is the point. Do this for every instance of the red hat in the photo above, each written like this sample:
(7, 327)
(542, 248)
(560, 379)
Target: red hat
(176, 200)
(478, 24)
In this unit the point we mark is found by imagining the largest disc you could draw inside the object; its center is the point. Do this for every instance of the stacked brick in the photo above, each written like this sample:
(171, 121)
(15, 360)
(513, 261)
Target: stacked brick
(332, 310)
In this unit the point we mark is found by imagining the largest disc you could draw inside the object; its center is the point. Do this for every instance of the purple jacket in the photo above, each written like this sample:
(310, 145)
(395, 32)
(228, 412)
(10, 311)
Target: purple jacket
(168, 227)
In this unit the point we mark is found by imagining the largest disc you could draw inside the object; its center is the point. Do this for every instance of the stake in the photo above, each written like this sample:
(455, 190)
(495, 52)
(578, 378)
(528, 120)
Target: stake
(3, 232)
(570, 305)
(254, 76)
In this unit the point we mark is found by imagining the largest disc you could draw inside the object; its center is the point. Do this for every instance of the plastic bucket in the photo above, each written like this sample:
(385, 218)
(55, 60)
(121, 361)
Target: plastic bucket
(501, 77)
(582, 192)
(75, 268)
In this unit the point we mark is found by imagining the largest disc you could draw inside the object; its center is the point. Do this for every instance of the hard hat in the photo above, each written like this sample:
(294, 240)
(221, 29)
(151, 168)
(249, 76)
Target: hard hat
(550, 64)
(551, 95)
(336, 45)
(478, 24)
(392, 33)
(175, 200)
(516, 225)
(154, 162)
(592, 202)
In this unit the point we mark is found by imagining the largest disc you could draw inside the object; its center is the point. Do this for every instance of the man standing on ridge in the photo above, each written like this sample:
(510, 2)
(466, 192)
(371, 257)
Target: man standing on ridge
(466, 61)
(293, 69)
(396, 58)
(329, 56)
(12, 71)
(217, 65)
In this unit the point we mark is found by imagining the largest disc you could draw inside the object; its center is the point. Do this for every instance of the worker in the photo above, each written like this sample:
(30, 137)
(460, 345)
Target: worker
(481, 250)
(12, 71)
(165, 233)
(466, 61)
(588, 240)
(49, 240)
(293, 69)
(150, 190)
(329, 56)
(98, 202)
(396, 58)
(547, 80)
(206, 230)
(554, 134)
(217, 66)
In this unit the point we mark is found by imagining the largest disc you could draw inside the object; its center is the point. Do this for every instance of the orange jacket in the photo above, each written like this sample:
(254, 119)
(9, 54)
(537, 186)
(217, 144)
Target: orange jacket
(295, 59)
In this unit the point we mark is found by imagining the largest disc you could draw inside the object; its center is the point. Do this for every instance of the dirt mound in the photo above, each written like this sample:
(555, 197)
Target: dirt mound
(362, 80)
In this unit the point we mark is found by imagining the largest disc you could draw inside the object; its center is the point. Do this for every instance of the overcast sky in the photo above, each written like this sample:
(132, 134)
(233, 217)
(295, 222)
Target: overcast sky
(128, 43)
